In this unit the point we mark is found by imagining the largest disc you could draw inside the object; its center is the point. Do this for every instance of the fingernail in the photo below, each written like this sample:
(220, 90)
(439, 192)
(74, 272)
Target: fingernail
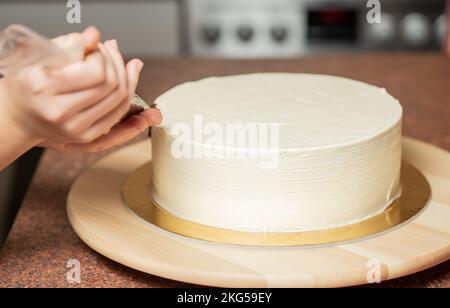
(115, 44)
(139, 65)
(156, 118)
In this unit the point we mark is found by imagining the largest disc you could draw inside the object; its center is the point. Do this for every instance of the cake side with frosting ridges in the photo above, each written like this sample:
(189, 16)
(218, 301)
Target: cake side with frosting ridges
(338, 161)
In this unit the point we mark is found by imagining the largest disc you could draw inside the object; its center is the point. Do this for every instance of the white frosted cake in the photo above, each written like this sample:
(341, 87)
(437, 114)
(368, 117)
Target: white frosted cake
(276, 152)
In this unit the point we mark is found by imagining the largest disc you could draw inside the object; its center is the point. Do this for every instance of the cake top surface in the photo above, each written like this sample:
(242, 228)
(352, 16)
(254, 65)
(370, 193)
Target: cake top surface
(311, 110)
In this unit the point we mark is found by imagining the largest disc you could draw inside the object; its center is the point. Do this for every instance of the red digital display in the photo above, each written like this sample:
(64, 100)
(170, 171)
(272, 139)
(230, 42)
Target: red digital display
(332, 23)
(332, 16)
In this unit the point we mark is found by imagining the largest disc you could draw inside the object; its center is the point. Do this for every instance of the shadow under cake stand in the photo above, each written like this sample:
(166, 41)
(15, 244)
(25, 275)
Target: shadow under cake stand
(102, 219)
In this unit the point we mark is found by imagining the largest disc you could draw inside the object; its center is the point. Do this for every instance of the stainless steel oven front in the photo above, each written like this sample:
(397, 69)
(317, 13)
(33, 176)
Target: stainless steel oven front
(273, 28)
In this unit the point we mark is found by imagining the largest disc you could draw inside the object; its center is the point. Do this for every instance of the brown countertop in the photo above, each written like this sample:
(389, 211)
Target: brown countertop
(42, 241)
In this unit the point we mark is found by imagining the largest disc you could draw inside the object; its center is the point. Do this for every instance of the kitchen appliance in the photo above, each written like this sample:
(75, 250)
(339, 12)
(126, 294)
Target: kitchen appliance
(272, 28)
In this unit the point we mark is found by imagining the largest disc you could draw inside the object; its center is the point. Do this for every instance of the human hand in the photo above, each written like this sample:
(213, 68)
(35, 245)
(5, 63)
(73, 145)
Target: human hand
(75, 106)
(120, 133)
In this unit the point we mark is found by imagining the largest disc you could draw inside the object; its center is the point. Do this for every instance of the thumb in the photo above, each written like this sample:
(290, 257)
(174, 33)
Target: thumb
(79, 44)
(91, 37)
(72, 44)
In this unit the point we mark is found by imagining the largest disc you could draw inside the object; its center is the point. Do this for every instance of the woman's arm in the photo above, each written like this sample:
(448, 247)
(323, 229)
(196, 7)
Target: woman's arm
(14, 140)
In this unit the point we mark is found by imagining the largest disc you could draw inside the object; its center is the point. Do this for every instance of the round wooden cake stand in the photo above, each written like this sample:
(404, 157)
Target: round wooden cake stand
(101, 219)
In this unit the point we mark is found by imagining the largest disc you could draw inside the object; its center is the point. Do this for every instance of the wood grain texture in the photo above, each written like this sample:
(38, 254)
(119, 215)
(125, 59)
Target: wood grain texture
(99, 216)
(41, 240)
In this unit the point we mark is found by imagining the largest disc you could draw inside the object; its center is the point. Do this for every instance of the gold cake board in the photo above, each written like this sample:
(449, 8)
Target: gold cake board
(416, 193)
(100, 217)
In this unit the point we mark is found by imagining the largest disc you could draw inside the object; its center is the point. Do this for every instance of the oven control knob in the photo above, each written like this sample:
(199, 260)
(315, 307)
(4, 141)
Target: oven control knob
(415, 29)
(279, 33)
(245, 33)
(210, 34)
(440, 29)
(383, 33)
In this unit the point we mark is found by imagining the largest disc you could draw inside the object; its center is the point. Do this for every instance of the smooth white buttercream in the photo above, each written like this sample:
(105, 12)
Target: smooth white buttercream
(339, 156)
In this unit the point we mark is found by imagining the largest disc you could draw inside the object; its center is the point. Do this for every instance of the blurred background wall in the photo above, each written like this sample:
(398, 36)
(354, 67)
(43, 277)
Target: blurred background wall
(142, 27)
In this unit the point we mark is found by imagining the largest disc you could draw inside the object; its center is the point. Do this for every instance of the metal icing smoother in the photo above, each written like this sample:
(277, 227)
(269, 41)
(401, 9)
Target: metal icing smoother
(21, 46)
